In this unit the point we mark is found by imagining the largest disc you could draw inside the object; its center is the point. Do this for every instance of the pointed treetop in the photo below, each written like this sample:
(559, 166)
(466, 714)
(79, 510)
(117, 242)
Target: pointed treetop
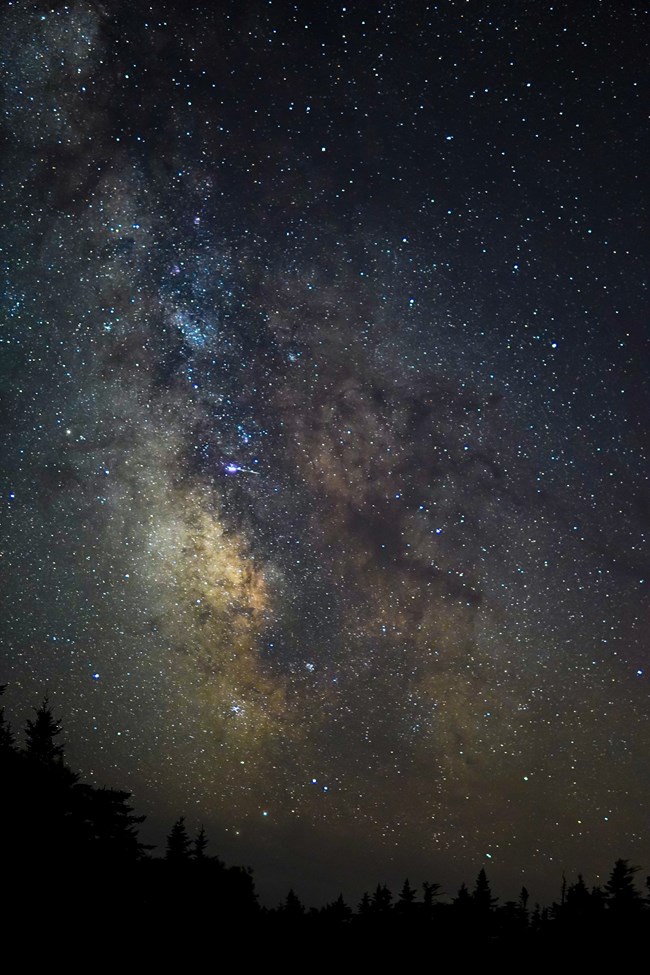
(381, 899)
(619, 889)
(293, 906)
(482, 895)
(407, 893)
(338, 910)
(200, 844)
(178, 843)
(430, 891)
(40, 736)
(364, 907)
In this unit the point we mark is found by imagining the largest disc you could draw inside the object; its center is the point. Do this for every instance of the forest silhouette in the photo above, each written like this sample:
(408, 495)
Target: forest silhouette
(75, 847)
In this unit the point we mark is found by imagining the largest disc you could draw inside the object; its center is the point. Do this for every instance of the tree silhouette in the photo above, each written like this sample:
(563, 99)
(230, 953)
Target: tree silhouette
(111, 831)
(462, 910)
(405, 906)
(577, 896)
(338, 911)
(381, 900)
(463, 898)
(407, 894)
(482, 895)
(178, 843)
(47, 812)
(431, 891)
(40, 735)
(620, 893)
(365, 907)
(200, 844)
(293, 908)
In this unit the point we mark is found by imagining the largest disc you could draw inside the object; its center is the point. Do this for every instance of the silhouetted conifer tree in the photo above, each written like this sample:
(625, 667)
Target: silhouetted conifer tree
(405, 906)
(620, 893)
(365, 907)
(430, 892)
(522, 907)
(381, 900)
(178, 843)
(338, 911)
(293, 908)
(200, 844)
(523, 898)
(462, 908)
(407, 894)
(111, 828)
(482, 905)
(463, 898)
(577, 896)
(40, 736)
(48, 814)
(482, 895)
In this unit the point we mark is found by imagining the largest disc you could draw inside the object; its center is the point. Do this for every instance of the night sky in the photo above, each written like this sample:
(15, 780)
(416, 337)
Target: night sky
(325, 425)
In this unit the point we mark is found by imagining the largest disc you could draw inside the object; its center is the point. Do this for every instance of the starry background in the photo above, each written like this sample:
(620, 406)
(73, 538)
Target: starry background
(325, 422)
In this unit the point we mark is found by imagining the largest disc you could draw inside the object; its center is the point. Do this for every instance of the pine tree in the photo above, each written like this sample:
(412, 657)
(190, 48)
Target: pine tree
(178, 843)
(338, 911)
(522, 906)
(40, 734)
(407, 893)
(381, 900)
(406, 902)
(463, 898)
(293, 906)
(49, 815)
(462, 908)
(482, 895)
(577, 895)
(482, 905)
(111, 831)
(620, 892)
(200, 844)
(431, 891)
(365, 908)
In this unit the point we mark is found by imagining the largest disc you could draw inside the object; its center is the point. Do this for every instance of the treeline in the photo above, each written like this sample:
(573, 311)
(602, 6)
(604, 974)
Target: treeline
(71, 849)
(598, 914)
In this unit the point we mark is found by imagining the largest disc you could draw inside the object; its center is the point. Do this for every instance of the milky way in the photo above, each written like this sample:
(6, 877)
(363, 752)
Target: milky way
(325, 398)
